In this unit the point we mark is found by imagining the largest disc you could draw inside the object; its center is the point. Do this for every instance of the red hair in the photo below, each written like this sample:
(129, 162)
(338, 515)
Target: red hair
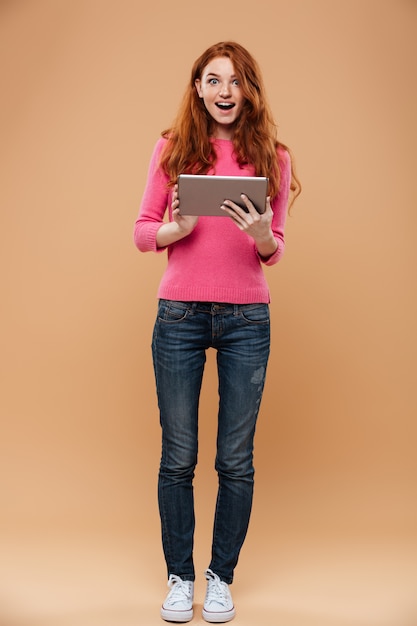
(189, 149)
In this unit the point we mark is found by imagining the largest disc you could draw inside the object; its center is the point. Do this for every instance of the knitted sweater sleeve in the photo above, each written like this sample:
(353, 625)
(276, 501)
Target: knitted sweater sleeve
(153, 206)
(279, 207)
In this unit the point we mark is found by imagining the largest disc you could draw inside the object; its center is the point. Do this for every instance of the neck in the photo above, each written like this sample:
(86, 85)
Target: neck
(223, 132)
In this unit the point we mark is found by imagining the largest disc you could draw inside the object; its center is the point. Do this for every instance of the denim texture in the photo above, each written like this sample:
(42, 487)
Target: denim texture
(183, 332)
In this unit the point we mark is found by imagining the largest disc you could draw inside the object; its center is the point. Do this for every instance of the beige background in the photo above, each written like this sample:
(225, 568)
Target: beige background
(87, 86)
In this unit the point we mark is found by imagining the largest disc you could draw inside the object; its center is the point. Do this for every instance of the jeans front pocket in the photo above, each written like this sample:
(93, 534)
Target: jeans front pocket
(255, 313)
(172, 311)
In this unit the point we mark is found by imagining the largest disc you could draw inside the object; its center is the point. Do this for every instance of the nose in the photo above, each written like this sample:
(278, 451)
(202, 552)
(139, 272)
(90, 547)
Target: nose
(224, 90)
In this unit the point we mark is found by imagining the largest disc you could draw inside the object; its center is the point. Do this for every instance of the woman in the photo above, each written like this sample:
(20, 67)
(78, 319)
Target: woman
(213, 294)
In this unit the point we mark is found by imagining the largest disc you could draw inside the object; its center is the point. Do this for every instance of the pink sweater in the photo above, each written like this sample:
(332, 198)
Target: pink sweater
(217, 262)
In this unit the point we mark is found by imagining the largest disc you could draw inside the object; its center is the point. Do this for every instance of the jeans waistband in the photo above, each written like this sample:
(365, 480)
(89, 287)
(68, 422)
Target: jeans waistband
(213, 308)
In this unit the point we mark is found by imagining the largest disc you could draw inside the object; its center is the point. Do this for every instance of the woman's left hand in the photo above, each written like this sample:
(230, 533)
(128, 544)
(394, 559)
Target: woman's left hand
(257, 225)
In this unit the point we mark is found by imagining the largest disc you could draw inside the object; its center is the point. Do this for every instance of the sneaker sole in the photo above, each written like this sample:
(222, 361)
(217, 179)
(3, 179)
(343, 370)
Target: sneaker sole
(176, 616)
(219, 618)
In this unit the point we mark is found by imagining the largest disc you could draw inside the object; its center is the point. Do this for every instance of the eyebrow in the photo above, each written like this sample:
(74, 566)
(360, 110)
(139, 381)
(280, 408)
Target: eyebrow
(218, 76)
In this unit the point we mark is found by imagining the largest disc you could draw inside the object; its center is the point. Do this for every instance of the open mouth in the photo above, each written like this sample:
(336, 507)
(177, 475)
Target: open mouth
(225, 106)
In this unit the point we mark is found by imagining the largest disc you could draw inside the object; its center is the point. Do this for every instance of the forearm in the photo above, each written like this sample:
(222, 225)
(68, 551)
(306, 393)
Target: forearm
(169, 233)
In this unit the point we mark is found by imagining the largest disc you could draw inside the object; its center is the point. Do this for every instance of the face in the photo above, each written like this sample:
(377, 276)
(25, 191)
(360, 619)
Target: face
(222, 96)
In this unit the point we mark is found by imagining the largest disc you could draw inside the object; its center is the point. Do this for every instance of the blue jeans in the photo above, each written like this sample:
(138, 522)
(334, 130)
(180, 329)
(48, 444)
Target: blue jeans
(241, 336)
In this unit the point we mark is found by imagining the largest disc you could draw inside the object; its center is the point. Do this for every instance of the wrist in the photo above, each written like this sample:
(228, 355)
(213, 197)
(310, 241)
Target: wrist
(182, 230)
(266, 246)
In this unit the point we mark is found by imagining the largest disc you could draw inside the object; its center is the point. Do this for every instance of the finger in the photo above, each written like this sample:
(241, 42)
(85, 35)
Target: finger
(248, 213)
(268, 207)
(247, 208)
(175, 204)
(234, 211)
(242, 220)
(249, 204)
(235, 208)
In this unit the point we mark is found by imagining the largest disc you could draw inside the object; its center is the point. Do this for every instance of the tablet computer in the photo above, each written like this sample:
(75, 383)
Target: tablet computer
(203, 195)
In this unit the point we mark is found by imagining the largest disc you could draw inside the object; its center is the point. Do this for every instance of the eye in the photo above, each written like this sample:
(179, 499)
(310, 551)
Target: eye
(235, 83)
(213, 81)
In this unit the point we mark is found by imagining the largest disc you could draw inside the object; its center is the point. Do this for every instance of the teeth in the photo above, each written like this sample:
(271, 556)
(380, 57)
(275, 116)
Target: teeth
(225, 105)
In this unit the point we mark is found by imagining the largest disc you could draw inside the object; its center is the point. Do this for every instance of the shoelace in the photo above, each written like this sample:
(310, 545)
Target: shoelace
(216, 589)
(179, 589)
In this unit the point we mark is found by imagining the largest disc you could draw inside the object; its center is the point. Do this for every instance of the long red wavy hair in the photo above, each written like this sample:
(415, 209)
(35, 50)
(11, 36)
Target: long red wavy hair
(189, 149)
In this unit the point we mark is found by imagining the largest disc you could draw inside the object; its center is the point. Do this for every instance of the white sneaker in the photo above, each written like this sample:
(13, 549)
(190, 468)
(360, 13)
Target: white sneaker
(218, 605)
(178, 605)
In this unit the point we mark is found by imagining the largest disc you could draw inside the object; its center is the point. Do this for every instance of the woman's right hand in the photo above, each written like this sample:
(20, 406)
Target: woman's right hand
(180, 227)
(186, 223)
